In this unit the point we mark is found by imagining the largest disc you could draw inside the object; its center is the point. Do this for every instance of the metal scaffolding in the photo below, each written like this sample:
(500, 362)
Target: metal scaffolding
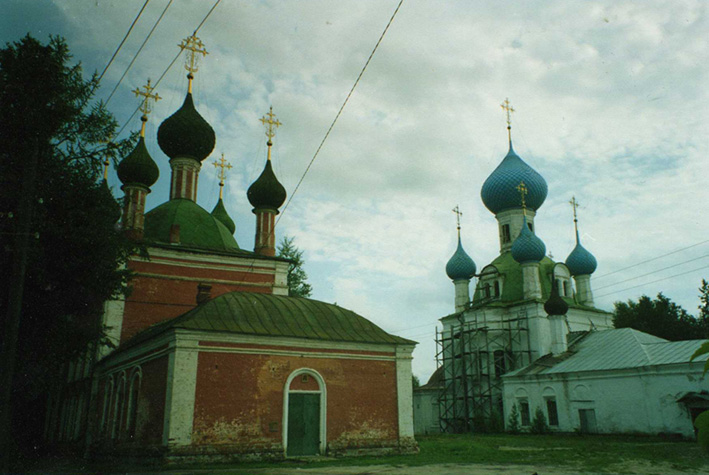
(473, 355)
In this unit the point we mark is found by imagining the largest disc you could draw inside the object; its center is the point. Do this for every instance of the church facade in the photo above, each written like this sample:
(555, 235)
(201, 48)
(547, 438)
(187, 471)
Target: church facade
(531, 337)
(212, 358)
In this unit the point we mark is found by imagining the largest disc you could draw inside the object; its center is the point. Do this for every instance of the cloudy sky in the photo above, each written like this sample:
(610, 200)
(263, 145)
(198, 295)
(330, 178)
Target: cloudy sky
(611, 107)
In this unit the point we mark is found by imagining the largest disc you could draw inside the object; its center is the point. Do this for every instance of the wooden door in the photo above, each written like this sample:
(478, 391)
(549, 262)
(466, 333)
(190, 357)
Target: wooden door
(303, 424)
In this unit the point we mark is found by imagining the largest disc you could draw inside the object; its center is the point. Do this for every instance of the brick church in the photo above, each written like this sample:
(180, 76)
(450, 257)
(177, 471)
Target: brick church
(212, 358)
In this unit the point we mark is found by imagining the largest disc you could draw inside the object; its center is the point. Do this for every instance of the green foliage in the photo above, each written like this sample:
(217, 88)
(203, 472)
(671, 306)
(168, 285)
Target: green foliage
(660, 317)
(703, 350)
(539, 422)
(75, 253)
(415, 382)
(297, 278)
(513, 425)
(703, 316)
(702, 425)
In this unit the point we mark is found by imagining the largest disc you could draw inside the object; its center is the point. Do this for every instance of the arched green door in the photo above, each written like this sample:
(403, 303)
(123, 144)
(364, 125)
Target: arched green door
(303, 424)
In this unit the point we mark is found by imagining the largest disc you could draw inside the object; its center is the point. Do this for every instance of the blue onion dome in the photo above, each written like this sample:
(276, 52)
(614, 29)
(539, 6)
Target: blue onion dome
(266, 192)
(138, 167)
(555, 305)
(527, 247)
(460, 266)
(220, 213)
(186, 134)
(499, 192)
(580, 261)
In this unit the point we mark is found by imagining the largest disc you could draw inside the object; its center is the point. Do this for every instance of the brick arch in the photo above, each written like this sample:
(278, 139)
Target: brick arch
(322, 390)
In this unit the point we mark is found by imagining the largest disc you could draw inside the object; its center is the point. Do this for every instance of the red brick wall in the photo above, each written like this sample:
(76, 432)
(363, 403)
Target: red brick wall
(151, 402)
(154, 299)
(239, 399)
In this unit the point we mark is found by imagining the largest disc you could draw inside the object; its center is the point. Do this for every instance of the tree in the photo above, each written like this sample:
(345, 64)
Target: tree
(297, 285)
(660, 317)
(539, 423)
(703, 316)
(415, 382)
(59, 238)
(513, 426)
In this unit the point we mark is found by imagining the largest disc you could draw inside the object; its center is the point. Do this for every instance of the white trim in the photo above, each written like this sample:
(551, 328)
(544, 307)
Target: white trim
(180, 395)
(323, 406)
(258, 351)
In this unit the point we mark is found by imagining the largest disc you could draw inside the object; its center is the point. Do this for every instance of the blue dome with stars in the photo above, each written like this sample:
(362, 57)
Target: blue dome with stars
(499, 192)
(527, 247)
(460, 266)
(580, 261)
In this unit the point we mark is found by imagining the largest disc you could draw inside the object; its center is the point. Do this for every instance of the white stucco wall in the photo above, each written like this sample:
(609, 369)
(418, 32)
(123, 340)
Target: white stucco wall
(426, 412)
(632, 400)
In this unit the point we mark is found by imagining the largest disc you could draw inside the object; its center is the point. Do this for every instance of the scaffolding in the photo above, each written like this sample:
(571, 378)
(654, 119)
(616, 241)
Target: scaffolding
(473, 355)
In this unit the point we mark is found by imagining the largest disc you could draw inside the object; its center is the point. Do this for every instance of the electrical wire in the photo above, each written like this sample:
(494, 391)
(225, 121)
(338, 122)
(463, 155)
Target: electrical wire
(138, 52)
(653, 282)
(651, 273)
(123, 41)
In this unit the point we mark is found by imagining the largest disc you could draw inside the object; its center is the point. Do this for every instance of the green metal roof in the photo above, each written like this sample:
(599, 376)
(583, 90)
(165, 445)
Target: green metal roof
(198, 228)
(220, 213)
(267, 315)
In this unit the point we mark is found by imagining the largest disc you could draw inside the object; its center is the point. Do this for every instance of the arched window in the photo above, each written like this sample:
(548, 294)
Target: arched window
(118, 407)
(105, 413)
(133, 393)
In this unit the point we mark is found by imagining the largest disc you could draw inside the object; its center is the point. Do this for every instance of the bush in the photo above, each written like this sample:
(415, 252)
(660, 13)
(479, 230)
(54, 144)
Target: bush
(539, 423)
(513, 420)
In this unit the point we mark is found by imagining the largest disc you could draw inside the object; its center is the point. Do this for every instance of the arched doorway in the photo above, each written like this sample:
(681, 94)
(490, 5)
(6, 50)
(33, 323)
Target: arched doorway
(304, 413)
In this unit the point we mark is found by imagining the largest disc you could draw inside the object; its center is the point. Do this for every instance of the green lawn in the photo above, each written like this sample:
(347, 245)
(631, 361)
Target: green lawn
(577, 453)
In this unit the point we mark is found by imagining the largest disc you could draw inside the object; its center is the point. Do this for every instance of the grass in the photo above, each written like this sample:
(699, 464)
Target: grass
(578, 453)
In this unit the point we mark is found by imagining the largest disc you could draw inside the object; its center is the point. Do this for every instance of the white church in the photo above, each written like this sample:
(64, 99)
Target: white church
(531, 338)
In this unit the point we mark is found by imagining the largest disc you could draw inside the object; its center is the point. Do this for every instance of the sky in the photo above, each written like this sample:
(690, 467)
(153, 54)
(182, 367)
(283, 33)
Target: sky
(610, 102)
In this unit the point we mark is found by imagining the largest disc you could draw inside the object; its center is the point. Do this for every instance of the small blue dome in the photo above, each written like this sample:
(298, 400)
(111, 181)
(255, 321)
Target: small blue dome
(460, 265)
(527, 247)
(580, 261)
(499, 192)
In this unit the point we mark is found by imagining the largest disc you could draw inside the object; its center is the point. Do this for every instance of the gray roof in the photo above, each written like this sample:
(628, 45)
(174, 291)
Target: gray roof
(622, 348)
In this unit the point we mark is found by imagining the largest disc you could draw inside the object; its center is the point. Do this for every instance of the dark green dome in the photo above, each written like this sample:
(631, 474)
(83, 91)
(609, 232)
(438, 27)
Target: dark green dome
(220, 213)
(138, 167)
(186, 134)
(198, 228)
(555, 305)
(266, 192)
(510, 270)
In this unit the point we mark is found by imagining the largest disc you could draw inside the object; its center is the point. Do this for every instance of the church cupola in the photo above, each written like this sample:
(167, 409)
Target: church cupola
(185, 136)
(460, 269)
(499, 192)
(219, 210)
(556, 309)
(138, 172)
(528, 250)
(266, 195)
(581, 264)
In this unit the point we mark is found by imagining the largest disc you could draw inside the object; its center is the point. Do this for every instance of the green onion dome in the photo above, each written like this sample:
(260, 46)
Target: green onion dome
(138, 167)
(460, 266)
(580, 261)
(220, 213)
(186, 134)
(527, 247)
(499, 192)
(555, 305)
(266, 192)
(198, 228)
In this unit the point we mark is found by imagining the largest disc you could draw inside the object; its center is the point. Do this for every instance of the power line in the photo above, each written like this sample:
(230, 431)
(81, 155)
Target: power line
(650, 260)
(653, 282)
(138, 52)
(653, 272)
(124, 40)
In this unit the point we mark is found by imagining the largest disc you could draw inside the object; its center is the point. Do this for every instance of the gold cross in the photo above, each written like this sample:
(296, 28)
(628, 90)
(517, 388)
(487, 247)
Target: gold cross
(522, 188)
(508, 109)
(574, 204)
(195, 46)
(145, 106)
(458, 214)
(106, 162)
(270, 123)
(223, 166)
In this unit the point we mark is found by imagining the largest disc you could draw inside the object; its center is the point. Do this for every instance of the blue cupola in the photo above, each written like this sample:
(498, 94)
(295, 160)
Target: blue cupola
(499, 192)
(460, 266)
(580, 261)
(527, 248)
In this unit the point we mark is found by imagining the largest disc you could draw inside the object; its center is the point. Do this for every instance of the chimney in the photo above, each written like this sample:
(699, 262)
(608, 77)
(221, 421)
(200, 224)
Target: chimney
(204, 292)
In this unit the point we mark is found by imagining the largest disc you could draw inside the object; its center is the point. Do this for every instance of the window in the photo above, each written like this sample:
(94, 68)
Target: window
(506, 233)
(567, 293)
(499, 357)
(497, 288)
(132, 422)
(552, 413)
(486, 291)
(524, 412)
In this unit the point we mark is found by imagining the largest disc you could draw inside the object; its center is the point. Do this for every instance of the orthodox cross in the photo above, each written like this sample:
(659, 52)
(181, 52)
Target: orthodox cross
(195, 47)
(145, 106)
(270, 123)
(522, 188)
(223, 166)
(575, 204)
(106, 161)
(458, 214)
(509, 110)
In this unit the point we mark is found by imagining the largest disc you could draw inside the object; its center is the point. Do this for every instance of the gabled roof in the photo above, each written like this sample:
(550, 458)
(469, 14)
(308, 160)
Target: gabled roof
(267, 315)
(622, 348)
